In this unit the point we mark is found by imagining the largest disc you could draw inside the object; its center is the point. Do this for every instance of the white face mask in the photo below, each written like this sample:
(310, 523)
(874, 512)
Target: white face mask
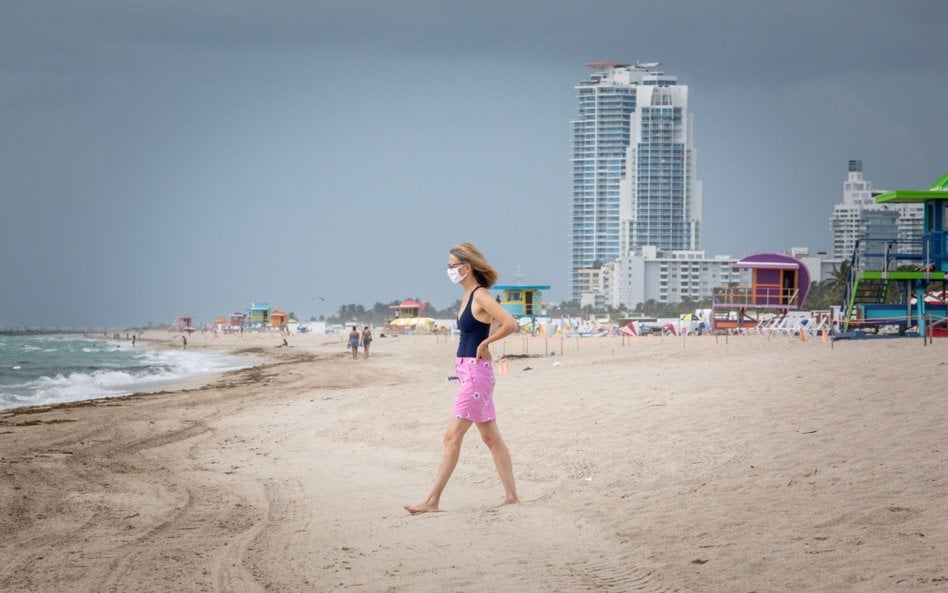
(455, 276)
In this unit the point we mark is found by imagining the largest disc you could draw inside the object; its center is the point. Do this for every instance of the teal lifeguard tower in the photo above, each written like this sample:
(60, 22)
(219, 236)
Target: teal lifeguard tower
(890, 280)
(258, 316)
(522, 300)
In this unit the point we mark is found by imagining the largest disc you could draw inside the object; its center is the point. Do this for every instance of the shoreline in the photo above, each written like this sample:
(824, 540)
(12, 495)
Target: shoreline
(703, 466)
(154, 342)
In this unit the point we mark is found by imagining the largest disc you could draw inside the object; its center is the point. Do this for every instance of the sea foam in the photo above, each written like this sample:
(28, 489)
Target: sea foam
(76, 370)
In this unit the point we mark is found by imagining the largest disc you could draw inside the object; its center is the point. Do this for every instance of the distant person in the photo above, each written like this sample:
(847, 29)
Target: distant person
(133, 340)
(366, 340)
(184, 342)
(474, 403)
(354, 342)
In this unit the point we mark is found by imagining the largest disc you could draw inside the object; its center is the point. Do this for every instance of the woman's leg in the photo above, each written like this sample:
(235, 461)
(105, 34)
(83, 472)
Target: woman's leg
(453, 438)
(498, 449)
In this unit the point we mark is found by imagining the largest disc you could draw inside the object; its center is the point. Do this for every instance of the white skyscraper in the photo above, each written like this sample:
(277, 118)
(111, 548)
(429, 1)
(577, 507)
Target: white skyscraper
(660, 197)
(633, 168)
(859, 217)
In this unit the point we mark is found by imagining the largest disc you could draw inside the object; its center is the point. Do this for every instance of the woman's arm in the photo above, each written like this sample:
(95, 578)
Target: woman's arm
(506, 324)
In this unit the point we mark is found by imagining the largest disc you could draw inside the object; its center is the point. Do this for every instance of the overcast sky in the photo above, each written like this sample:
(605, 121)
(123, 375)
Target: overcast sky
(191, 157)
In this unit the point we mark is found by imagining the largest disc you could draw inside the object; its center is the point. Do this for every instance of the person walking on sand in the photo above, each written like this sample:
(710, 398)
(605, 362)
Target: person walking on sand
(354, 342)
(366, 340)
(474, 402)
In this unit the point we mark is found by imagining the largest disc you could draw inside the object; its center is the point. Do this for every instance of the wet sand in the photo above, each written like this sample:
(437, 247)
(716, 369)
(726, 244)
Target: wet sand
(652, 464)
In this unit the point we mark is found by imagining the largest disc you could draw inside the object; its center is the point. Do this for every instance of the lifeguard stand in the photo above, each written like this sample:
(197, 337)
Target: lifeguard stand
(279, 319)
(258, 316)
(890, 278)
(522, 300)
(778, 283)
(409, 309)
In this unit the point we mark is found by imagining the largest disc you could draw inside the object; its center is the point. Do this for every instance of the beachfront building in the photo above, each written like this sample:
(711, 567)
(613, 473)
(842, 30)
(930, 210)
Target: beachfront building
(859, 218)
(660, 196)
(589, 283)
(649, 273)
(633, 160)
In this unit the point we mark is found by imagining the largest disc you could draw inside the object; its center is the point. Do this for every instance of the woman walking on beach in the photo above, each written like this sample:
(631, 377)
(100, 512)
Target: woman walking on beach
(354, 342)
(366, 340)
(474, 403)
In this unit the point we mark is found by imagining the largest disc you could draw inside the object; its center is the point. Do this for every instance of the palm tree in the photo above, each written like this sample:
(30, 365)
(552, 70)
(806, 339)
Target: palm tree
(831, 291)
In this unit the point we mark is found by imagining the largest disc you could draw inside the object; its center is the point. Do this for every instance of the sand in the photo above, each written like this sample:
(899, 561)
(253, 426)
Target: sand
(653, 464)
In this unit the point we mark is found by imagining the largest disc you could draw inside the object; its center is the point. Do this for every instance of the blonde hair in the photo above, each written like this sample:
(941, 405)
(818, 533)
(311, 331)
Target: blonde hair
(484, 273)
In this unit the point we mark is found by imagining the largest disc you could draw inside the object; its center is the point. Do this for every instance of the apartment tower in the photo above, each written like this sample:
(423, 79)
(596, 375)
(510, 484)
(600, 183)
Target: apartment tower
(634, 181)
(860, 218)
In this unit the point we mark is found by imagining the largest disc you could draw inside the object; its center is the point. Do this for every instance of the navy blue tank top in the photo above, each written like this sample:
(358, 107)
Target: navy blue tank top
(473, 332)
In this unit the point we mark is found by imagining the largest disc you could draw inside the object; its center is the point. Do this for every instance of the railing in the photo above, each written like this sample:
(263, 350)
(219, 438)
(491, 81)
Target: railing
(888, 254)
(749, 296)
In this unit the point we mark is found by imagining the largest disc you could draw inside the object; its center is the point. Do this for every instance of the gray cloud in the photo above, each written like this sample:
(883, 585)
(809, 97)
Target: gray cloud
(160, 158)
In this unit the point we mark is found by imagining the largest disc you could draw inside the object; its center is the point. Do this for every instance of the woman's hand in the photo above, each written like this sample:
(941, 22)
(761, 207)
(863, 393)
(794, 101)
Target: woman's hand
(483, 351)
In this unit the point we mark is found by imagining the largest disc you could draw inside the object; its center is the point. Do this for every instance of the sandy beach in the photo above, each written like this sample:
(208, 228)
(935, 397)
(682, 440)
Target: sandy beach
(746, 464)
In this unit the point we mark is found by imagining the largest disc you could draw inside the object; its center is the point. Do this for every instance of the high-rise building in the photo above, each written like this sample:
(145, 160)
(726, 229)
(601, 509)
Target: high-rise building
(859, 217)
(633, 168)
(660, 197)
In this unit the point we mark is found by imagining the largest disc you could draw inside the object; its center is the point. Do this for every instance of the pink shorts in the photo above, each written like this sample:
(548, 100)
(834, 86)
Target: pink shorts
(475, 399)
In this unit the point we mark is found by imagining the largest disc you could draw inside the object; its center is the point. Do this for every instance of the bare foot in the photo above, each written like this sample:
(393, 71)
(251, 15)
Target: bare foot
(507, 501)
(421, 507)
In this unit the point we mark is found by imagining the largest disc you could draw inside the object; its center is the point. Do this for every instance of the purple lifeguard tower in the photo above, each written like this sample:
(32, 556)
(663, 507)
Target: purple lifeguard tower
(779, 283)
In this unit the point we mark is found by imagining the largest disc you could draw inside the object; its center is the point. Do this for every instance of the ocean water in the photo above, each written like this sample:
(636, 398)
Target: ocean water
(42, 370)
